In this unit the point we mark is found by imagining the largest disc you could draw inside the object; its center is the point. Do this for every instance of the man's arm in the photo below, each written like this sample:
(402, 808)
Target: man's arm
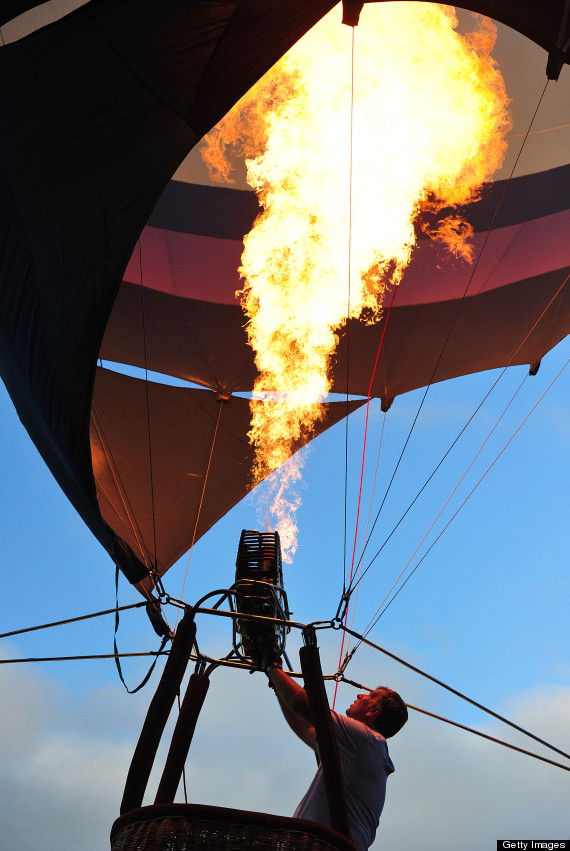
(294, 704)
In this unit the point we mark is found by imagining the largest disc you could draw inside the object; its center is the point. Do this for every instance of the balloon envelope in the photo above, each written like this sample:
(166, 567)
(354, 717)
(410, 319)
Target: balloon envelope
(99, 110)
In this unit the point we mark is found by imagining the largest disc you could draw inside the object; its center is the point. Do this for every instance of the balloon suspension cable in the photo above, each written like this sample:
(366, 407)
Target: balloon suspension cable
(453, 323)
(456, 316)
(371, 380)
(73, 620)
(350, 587)
(457, 693)
(469, 421)
(153, 572)
(537, 321)
(221, 401)
(364, 442)
(445, 504)
(309, 636)
(193, 610)
(473, 489)
(365, 536)
(469, 729)
(132, 528)
(84, 657)
(348, 310)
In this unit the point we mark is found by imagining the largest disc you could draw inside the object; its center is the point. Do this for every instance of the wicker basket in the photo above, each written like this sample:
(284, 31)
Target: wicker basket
(181, 827)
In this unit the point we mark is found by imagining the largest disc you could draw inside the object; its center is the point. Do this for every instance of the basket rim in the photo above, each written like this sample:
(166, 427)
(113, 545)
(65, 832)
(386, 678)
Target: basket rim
(225, 815)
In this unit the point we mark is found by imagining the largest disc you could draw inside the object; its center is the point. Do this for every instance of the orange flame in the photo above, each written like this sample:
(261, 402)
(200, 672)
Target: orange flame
(429, 126)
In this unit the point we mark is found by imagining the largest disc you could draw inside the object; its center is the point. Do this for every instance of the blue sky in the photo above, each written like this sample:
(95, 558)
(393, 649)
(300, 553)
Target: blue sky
(486, 611)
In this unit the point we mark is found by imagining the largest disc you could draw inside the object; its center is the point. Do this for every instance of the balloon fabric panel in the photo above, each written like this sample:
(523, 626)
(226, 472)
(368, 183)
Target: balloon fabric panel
(182, 430)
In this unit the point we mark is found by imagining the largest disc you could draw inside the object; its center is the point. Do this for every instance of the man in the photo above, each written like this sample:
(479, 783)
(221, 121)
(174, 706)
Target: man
(361, 740)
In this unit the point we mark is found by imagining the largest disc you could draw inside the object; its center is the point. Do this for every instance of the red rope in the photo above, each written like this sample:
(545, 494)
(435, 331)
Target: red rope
(362, 473)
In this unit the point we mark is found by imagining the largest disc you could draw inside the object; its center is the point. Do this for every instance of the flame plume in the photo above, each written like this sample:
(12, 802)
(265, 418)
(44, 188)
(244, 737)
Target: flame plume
(429, 126)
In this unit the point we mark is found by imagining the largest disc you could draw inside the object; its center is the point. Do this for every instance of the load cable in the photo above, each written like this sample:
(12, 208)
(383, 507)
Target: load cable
(362, 473)
(363, 639)
(344, 591)
(198, 513)
(84, 657)
(361, 573)
(72, 620)
(348, 655)
(366, 434)
(521, 344)
(452, 518)
(121, 491)
(461, 302)
(490, 738)
(152, 499)
(447, 501)
(351, 137)
(469, 729)
(339, 677)
(367, 524)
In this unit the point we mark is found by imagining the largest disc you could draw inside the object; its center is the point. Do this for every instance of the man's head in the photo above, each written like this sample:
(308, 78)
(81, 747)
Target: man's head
(382, 710)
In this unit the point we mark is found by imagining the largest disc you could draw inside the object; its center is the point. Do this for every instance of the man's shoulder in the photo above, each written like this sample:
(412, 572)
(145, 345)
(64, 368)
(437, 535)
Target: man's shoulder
(366, 745)
(356, 728)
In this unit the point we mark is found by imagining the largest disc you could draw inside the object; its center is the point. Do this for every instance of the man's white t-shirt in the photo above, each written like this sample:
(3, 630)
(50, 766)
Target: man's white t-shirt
(365, 764)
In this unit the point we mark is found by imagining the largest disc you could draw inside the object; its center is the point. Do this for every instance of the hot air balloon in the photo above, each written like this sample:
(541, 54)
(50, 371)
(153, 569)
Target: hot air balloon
(115, 96)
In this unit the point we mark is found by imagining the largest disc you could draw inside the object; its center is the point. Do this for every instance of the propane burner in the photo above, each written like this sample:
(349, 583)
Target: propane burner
(259, 591)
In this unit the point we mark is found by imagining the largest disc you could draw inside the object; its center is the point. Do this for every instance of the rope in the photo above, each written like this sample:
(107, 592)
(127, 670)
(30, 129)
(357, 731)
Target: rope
(367, 522)
(362, 574)
(446, 503)
(471, 418)
(470, 493)
(366, 430)
(367, 540)
(419, 671)
(101, 491)
(80, 658)
(147, 407)
(361, 638)
(348, 317)
(490, 738)
(117, 481)
(347, 339)
(362, 477)
(72, 620)
(348, 654)
(220, 404)
(507, 184)
(469, 729)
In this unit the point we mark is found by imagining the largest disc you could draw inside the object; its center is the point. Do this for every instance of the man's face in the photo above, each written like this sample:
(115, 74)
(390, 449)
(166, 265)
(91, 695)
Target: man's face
(365, 708)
